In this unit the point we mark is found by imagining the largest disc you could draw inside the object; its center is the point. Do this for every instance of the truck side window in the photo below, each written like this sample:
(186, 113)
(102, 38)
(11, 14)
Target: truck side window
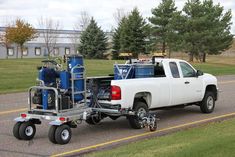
(159, 70)
(187, 70)
(174, 70)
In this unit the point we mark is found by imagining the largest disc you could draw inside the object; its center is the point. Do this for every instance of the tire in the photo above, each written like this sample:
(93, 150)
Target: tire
(208, 103)
(93, 120)
(63, 134)
(16, 130)
(51, 134)
(141, 109)
(27, 130)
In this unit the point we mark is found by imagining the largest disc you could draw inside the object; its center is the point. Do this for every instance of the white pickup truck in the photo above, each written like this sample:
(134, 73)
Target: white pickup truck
(175, 83)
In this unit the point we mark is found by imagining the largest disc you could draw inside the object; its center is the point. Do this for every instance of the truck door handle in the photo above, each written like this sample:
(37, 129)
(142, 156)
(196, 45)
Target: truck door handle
(187, 82)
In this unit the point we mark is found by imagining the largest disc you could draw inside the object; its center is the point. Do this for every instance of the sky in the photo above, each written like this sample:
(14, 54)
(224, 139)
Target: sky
(68, 12)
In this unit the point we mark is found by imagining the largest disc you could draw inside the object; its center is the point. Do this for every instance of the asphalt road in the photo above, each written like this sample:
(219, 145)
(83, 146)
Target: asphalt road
(107, 133)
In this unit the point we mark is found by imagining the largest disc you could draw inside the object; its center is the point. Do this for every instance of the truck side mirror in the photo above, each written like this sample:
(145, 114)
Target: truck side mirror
(199, 73)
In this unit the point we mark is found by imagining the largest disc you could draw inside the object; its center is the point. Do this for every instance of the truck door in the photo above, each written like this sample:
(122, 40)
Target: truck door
(176, 83)
(192, 85)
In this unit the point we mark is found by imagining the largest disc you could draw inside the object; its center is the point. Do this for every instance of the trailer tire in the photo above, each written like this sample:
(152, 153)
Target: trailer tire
(93, 120)
(27, 130)
(16, 130)
(51, 134)
(141, 110)
(63, 134)
(207, 105)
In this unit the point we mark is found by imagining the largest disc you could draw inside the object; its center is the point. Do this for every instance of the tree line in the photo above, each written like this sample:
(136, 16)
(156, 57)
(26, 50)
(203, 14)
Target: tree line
(200, 28)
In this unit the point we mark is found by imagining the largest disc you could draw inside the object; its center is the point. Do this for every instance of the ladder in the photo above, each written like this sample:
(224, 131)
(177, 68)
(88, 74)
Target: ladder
(81, 75)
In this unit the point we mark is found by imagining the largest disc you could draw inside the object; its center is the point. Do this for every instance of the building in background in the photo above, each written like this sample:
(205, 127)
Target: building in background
(67, 43)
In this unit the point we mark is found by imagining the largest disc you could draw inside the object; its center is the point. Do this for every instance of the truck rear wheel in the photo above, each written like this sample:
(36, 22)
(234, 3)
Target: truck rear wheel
(208, 103)
(141, 110)
(93, 120)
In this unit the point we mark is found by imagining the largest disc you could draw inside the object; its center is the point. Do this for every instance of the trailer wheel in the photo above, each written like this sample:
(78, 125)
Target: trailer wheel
(63, 134)
(208, 103)
(93, 120)
(16, 130)
(27, 130)
(141, 110)
(51, 134)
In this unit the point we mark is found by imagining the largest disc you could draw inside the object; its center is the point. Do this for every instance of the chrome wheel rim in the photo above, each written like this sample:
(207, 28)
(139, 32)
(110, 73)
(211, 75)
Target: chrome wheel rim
(29, 130)
(65, 134)
(210, 102)
(141, 112)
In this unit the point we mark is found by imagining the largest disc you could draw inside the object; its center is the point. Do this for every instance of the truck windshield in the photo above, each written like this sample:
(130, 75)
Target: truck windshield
(187, 70)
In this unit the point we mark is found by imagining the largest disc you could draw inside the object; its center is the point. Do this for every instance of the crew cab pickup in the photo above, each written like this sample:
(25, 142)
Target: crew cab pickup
(175, 82)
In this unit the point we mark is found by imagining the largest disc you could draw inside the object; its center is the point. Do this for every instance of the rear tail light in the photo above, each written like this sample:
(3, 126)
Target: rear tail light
(63, 119)
(115, 93)
(23, 115)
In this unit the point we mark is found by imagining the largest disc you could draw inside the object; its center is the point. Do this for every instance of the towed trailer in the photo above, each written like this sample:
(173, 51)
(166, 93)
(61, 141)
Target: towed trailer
(68, 97)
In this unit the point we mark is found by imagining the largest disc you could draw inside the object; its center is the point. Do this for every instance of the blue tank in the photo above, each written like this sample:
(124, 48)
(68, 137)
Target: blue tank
(74, 60)
(144, 71)
(64, 78)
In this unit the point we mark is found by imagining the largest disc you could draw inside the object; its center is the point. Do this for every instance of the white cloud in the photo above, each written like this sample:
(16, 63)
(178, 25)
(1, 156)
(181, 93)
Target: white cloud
(68, 11)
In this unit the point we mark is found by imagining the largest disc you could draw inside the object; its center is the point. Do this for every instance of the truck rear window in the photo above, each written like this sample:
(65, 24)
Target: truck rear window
(159, 70)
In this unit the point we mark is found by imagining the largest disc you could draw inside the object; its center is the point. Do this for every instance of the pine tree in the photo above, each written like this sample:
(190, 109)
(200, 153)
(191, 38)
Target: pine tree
(131, 34)
(93, 41)
(162, 27)
(134, 34)
(117, 37)
(206, 30)
(219, 37)
(193, 27)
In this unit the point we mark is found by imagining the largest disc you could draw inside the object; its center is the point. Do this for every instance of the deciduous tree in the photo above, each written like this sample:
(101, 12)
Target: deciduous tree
(19, 33)
(5, 42)
(49, 31)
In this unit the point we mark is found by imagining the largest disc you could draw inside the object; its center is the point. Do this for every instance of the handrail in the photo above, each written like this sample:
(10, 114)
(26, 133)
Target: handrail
(47, 88)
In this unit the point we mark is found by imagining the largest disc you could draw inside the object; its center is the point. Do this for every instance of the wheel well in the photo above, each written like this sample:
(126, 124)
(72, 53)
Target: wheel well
(144, 97)
(213, 89)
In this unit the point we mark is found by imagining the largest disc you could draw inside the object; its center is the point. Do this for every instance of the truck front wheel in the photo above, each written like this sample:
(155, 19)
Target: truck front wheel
(141, 110)
(208, 103)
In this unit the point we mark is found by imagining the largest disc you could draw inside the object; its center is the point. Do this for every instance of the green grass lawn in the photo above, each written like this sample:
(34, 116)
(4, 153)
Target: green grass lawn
(212, 140)
(216, 68)
(19, 74)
